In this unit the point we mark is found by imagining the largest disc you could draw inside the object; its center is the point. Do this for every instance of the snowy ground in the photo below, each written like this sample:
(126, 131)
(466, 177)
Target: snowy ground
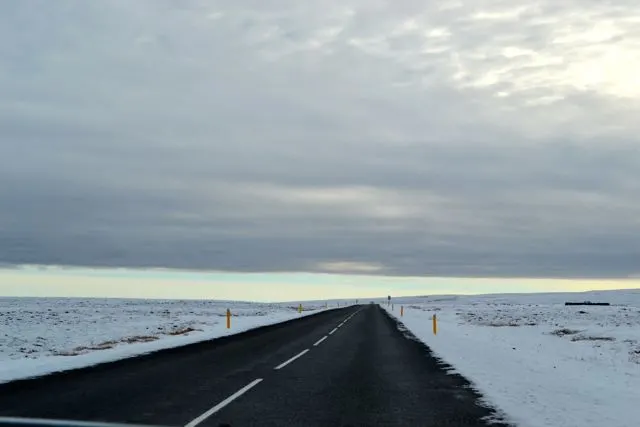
(44, 335)
(541, 363)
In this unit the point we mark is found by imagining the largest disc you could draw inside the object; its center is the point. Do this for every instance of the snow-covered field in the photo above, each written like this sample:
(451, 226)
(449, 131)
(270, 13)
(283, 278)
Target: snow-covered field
(44, 335)
(542, 363)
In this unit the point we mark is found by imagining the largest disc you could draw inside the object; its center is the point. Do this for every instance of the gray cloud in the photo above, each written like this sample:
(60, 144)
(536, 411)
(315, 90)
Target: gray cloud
(380, 137)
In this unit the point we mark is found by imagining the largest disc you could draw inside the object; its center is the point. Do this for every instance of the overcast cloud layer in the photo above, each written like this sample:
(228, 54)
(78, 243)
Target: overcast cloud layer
(493, 138)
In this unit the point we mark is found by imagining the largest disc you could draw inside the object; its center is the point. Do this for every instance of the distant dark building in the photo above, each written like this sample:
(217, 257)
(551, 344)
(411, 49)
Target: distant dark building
(586, 303)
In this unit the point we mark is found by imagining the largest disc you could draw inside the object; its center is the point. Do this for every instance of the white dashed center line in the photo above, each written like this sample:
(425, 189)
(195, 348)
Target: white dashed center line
(302, 353)
(320, 341)
(224, 403)
(254, 383)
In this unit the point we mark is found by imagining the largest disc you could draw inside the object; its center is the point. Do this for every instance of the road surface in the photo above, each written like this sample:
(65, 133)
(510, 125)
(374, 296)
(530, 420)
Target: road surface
(343, 367)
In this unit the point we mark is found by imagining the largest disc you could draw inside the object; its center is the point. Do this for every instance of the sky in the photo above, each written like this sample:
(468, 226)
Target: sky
(56, 281)
(372, 137)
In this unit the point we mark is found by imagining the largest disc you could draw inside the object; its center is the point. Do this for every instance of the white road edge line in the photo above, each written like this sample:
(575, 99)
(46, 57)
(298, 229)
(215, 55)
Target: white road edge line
(224, 403)
(302, 353)
(320, 341)
(334, 329)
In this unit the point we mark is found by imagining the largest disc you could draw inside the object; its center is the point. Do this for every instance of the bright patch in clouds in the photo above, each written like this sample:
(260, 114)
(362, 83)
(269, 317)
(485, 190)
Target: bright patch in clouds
(350, 267)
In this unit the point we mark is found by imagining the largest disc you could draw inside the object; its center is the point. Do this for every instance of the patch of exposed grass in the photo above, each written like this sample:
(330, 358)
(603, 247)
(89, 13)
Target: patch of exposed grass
(182, 331)
(104, 345)
(139, 338)
(591, 338)
(564, 331)
(502, 324)
(66, 353)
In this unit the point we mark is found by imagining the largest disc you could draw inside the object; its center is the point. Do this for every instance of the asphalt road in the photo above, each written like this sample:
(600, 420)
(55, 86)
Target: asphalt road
(343, 367)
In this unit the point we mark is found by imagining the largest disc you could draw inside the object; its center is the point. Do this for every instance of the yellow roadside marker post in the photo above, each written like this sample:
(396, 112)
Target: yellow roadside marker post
(228, 319)
(435, 325)
(300, 309)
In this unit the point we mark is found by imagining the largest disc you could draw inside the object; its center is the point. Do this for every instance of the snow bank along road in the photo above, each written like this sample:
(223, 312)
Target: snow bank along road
(45, 335)
(341, 367)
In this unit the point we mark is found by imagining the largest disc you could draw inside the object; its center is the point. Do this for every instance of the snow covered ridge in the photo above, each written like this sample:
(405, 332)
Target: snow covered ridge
(540, 362)
(44, 335)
